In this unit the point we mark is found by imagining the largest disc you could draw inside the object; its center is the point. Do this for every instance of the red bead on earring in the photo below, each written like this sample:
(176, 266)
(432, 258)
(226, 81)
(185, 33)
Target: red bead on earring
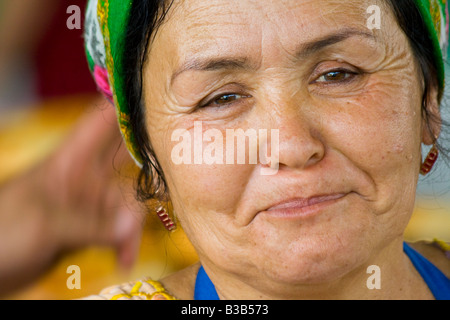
(430, 161)
(165, 219)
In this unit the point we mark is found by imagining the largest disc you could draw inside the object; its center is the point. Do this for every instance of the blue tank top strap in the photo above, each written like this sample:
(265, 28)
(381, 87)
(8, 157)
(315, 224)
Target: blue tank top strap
(204, 288)
(438, 283)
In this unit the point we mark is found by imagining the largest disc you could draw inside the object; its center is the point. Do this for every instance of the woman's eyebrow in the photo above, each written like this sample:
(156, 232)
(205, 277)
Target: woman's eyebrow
(243, 63)
(312, 47)
(213, 64)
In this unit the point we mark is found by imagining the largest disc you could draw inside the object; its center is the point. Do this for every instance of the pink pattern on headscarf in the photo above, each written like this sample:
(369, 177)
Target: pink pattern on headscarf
(101, 78)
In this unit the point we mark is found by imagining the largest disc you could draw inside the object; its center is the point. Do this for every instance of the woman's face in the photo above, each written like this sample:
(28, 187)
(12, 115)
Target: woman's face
(344, 102)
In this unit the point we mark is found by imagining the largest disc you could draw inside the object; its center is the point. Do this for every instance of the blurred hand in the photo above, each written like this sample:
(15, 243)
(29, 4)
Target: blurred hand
(73, 199)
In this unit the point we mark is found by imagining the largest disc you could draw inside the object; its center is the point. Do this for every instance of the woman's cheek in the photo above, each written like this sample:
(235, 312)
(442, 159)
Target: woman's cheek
(385, 119)
(199, 179)
(379, 134)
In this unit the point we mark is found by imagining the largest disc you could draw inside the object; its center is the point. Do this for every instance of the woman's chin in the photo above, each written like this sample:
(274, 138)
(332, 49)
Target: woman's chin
(312, 260)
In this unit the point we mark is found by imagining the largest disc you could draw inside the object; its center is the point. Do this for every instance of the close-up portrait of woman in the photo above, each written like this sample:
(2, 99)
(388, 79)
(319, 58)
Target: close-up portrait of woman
(286, 138)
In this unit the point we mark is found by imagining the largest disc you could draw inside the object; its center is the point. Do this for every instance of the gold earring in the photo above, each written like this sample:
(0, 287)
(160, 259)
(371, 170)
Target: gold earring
(430, 161)
(168, 223)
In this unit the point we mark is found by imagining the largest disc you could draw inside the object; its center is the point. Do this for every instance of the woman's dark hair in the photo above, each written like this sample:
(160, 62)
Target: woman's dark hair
(148, 15)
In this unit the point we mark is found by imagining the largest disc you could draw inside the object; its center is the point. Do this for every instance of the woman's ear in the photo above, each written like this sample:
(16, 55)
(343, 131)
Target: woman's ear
(431, 115)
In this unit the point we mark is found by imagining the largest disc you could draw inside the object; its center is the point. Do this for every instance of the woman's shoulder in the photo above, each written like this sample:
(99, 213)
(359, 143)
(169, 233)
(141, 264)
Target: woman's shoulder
(146, 289)
(437, 252)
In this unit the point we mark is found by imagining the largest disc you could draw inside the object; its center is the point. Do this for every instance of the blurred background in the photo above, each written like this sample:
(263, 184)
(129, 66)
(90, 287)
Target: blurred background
(50, 114)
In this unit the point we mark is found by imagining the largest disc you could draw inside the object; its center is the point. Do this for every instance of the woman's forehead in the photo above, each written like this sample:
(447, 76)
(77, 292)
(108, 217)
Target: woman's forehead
(195, 16)
(245, 28)
(201, 8)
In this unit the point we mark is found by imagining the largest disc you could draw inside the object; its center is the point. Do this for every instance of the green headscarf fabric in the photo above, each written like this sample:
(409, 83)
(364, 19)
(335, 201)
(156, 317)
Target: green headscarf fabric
(105, 29)
(436, 17)
(105, 36)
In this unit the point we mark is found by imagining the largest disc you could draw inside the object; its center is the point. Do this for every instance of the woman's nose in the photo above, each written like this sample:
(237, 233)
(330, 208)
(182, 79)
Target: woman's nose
(300, 142)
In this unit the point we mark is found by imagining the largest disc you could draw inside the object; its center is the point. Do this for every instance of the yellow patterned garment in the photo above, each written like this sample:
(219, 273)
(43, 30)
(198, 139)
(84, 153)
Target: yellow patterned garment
(140, 290)
(445, 247)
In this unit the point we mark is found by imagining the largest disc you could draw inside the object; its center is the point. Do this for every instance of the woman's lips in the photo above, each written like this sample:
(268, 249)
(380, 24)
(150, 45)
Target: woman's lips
(303, 207)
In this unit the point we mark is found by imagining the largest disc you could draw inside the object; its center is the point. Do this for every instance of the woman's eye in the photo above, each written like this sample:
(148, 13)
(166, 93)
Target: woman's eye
(335, 76)
(225, 99)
